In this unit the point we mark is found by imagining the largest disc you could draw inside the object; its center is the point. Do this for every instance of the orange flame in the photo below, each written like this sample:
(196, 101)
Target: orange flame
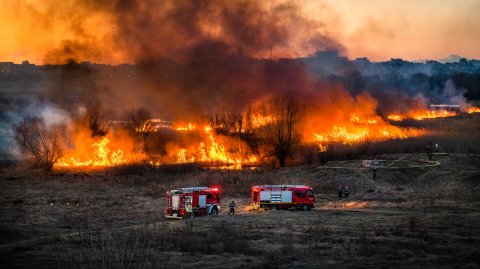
(361, 125)
(212, 151)
(395, 117)
(473, 109)
(184, 127)
(104, 151)
(357, 134)
(258, 120)
(348, 122)
(432, 114)
(422, 114)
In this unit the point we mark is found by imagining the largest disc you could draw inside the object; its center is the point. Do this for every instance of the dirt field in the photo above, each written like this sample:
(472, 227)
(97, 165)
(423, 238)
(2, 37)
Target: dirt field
(416, 214)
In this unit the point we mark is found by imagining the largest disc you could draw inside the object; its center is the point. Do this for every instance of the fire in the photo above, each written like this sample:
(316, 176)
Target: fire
(395, 117)
(354, 204)
(341, 134)
(473, 109)
(357, 134)
(357, 119)
(432, 114)
(258, 120)
(196, 142)
(184, 127)
(212, 151)
(353, 121)
(361, 129)
(350, 204)
(422, 114)
(104, 151)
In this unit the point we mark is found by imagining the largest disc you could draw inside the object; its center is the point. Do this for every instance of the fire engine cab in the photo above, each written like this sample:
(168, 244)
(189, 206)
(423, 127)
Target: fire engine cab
(282, 197)
(201, 200)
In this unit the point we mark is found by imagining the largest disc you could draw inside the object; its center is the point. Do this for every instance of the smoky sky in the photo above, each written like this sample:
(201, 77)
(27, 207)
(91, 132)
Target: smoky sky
(194, 57)
(198, 30)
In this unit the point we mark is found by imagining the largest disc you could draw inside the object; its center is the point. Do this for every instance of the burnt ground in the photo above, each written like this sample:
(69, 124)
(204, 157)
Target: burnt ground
(416, 214)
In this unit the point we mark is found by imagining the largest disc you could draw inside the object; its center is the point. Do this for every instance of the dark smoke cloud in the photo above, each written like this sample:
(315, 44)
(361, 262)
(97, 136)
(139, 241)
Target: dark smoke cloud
(197, 30)
(74, 87)
(71, 50)
(193, 57)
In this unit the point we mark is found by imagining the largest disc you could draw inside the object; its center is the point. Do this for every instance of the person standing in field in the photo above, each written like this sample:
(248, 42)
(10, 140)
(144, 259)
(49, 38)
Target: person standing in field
(189, 209)
(232, 206)
(346, 192)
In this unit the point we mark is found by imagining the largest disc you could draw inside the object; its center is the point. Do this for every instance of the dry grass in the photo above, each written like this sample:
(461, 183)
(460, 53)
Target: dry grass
(408, 217)
(460, 134)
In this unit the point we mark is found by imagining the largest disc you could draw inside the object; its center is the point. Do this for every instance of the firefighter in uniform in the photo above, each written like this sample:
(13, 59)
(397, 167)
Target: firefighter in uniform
(232, 206)
(346, 192)
(189, 209)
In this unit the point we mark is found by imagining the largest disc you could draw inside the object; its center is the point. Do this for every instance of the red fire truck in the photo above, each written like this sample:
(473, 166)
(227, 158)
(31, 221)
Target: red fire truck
(283, 197)
(203, 201)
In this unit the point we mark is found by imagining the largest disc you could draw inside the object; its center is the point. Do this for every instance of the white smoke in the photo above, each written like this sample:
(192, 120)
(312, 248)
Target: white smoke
(455, 96)
(54, 115)
(49, 112)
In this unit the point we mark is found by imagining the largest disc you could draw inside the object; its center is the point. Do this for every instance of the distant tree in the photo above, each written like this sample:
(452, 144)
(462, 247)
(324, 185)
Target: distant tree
(41, 141)
(281, 134)
(139, 123)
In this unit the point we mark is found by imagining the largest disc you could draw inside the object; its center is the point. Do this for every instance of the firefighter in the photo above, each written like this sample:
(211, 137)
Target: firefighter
(346, 191)
(374, 173)
(196, 212)
(189, 209)
(340, 192)
(436, 148)
(232, 206)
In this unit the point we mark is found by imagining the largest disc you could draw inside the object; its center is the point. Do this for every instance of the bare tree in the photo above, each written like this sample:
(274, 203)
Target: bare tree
(139, 123)
(41, 141)
(96, 123)
(280, 135)
(227, 122)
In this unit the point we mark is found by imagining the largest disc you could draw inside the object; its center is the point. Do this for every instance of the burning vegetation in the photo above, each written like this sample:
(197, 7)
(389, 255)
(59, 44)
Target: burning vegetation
(252, 139)
(218, 84)
(267, 131)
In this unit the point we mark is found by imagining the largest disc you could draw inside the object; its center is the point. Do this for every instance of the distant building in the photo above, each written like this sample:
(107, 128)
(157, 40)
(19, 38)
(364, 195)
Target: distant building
(363, 60)
(7, 68)
(327, 54)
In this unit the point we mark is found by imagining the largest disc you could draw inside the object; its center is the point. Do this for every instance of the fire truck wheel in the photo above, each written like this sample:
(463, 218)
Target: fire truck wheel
(215, 211)
(304, 207)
